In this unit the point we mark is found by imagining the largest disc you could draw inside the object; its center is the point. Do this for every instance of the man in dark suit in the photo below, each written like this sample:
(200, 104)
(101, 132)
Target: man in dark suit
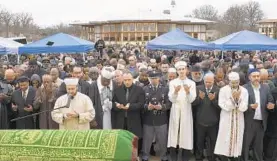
(83, 86)
(260, 103)
(102, 93)
(22, 103)
(207, 116)
(128, 102)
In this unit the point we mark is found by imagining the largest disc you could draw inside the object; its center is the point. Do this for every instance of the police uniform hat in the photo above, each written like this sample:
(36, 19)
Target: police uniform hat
(154, 74)
(23, 79)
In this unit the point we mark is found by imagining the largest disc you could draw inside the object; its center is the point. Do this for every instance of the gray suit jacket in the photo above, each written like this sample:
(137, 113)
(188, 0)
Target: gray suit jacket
(265, 98)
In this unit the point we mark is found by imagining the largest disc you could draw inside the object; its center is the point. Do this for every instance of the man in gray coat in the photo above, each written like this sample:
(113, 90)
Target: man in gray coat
(260, 103)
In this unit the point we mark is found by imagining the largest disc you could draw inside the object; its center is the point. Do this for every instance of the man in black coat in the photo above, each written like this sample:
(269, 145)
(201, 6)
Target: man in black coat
(83, 86)
(128, 102)
(207, 116)
(22, 103)
(101, 96)
(255, 118)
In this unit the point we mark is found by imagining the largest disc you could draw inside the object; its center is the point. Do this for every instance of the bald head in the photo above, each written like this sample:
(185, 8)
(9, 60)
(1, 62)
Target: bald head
(263, 75)
(10, 75)
(54, 73)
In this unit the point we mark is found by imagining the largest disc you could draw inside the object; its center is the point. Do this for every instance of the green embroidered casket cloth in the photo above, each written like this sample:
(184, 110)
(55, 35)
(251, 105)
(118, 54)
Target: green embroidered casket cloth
(67, 145)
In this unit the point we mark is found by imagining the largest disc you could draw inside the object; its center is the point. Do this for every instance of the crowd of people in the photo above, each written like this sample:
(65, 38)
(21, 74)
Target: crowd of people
(181, 104)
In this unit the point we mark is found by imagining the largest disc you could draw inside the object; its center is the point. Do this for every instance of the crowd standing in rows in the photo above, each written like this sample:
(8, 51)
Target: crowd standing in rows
(182, 104)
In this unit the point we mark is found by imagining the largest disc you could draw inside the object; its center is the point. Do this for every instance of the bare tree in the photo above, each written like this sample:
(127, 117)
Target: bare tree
(16, 25)
(207, 12)
(7, 20)
(234, 18)
(253, 14)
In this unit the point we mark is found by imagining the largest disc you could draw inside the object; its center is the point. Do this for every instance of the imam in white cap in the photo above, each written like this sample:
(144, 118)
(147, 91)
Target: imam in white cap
(172, 70)
(233, 76)
(107, 72)
(71, 81)
(180, 64)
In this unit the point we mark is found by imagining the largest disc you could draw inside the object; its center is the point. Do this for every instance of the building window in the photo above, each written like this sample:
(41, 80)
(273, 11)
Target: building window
(132, 27)
(152, 36)
(118, 28)
(160, 33)
(164, 27)
(125, 27)
(139, 36)
(106, 37)
(97, 29)
(145, 27)
(132, 37)
(112, 37)
(152, 27)
(112, 27)
(106, 28)
(125, 37)
(269, 30)
(262, 29)
(145, 37)
(117, 37)
(195, 35)
(139, 26)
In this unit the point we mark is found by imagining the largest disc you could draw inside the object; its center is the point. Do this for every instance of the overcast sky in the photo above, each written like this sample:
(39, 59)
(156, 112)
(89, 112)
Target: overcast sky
(49, 12)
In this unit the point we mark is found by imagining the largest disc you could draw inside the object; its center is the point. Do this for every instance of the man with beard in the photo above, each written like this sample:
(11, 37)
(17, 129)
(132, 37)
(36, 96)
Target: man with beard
(233, 101)
(79, 112)
(102, 92)
(45, 100)
(5, 98)
(83, 86)
(93, 74)
(142, 79)
(34, 68)
(260, 103)
(196, 75)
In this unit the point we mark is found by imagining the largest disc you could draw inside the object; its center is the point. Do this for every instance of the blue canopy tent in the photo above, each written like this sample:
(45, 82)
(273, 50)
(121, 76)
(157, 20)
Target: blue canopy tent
(246, 40)
(178, 40)
(58, 43)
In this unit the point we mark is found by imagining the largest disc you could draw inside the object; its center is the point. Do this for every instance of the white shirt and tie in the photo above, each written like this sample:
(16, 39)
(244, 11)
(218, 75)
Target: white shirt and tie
(25, 93)
(258, 111)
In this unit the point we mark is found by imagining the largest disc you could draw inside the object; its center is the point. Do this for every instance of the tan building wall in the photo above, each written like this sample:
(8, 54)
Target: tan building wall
(138, 32)
(268, 27)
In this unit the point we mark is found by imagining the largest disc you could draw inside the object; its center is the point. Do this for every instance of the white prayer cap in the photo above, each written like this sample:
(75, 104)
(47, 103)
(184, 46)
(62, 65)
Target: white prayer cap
(180, 64)
(172, 70)
(142, 67)
(233, 76)
(71, 81)
(152, 60)
(107, 72)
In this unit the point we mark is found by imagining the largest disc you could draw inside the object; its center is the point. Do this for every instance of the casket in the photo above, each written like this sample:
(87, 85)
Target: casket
(67, 145)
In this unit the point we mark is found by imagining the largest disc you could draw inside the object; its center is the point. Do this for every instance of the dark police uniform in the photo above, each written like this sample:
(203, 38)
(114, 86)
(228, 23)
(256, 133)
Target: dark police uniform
(155, 122)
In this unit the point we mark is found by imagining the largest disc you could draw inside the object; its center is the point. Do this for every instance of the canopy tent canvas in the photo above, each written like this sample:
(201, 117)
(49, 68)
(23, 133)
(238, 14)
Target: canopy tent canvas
(246, 40)
(177, 40)
(58, 43)
(9, 46)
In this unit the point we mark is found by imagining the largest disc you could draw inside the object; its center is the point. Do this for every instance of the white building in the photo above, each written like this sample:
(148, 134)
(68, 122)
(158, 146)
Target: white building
(268, 27)
(142, 27)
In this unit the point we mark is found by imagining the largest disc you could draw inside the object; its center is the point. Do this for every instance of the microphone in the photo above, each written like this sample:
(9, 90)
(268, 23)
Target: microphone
(69, 101)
